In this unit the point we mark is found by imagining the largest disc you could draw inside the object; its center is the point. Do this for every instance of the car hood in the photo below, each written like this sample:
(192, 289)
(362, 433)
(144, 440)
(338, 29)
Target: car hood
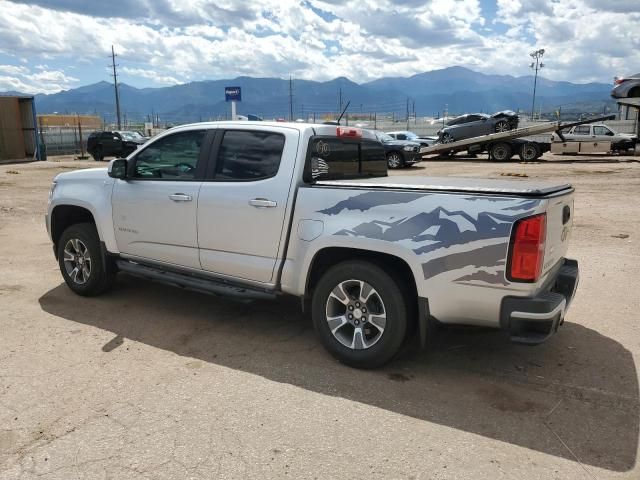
(504, 113)
(402, 143)
(626, 135)
(85, 174)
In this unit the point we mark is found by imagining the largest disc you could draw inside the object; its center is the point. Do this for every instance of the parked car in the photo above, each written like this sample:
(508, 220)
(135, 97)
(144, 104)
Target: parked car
(626, 87)
(373, 258)
(598, 133)
(476, 124)
(399, 153)
(426, 141)
(117, 144)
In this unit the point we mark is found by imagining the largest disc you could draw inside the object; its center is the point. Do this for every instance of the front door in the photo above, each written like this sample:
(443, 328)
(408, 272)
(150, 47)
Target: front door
(154, 209)
(242, 205)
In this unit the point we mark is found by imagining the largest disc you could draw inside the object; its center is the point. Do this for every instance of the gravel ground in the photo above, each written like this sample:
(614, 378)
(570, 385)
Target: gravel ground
(151, 382)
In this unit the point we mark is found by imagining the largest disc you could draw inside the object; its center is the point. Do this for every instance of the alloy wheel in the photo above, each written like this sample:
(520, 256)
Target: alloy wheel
(502, 127)
(356, 314)
(77, 261)
(393, 160)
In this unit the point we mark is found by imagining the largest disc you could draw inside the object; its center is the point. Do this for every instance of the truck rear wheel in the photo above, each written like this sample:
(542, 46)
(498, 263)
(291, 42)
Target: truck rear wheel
(529, 152)
(501, 151)
(360, 314)
(81, 261)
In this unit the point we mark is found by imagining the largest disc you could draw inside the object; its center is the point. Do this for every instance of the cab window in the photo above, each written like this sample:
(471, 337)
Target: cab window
(582, 130)
(248, 155)
(602, 131)
(173, 157)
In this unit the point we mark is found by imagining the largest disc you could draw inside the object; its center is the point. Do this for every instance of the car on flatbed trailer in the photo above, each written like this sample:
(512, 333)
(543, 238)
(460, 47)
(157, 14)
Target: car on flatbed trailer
(501, 146)
(258, 210)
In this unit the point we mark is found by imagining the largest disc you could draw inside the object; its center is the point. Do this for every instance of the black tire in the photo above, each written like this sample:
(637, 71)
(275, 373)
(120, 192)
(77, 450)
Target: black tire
(100, 277)
(502, 126)
(501, 152)
(395, 160)
(97, 154)
(529, 152)
(446, 138)
(395, 305)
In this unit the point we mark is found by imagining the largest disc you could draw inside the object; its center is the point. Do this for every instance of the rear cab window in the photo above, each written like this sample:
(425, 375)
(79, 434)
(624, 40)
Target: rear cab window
(333, 158)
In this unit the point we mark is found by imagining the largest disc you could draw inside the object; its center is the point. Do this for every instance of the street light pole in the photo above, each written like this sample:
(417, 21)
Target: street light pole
(537, 55)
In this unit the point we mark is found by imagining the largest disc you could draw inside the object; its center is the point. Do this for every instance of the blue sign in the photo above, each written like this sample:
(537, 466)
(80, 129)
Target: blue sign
(232, 94)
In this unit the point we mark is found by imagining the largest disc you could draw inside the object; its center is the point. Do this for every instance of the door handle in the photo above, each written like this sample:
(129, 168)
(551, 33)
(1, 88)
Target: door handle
(180, 197)
(262, 203)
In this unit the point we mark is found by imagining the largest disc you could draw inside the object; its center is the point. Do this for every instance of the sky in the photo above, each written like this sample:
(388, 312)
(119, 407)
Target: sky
(52, 45)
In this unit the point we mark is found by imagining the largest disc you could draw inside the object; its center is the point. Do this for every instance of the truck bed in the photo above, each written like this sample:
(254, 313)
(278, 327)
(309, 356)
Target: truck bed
(518, 188)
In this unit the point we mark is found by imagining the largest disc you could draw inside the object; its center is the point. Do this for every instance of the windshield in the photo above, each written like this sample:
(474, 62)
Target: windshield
(383, 137)
(130, 135)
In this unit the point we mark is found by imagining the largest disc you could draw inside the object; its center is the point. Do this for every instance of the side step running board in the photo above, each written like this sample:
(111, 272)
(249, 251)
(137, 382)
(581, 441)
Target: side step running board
(194, 283)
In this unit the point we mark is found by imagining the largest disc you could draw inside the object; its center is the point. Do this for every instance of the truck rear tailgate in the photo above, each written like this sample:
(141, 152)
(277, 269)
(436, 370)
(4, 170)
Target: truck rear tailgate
(559, 225)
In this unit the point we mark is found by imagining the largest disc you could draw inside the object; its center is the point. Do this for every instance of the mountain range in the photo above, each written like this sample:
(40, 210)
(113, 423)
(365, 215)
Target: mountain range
(454, 89)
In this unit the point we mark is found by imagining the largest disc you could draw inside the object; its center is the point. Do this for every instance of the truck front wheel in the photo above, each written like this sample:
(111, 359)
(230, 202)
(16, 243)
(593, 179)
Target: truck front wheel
(81, 262)
(360, 314)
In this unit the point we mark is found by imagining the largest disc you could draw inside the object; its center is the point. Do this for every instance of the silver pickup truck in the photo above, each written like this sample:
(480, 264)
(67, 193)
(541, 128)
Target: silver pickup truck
(257, 210)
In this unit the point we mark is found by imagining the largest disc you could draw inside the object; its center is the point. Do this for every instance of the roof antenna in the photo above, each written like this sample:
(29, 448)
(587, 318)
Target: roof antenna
(337, 122)
(343, 111)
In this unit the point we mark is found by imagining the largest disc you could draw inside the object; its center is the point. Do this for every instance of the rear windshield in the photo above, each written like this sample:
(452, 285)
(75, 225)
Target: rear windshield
(332, 158)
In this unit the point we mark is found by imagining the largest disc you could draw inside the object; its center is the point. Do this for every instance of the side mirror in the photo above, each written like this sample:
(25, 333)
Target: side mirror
(118, 168)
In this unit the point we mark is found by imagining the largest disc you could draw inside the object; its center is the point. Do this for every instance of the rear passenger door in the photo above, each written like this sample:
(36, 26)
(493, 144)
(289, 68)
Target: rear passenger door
(243, 202)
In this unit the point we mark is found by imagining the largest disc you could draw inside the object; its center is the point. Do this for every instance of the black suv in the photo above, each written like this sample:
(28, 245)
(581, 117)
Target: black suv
(399, 153)
(113, 144)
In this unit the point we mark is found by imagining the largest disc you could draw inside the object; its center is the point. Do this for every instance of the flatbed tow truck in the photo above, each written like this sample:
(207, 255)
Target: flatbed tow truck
(503, 145)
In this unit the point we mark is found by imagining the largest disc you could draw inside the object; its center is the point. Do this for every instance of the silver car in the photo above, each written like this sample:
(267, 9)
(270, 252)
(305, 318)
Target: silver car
(627, 87)
(477, 124)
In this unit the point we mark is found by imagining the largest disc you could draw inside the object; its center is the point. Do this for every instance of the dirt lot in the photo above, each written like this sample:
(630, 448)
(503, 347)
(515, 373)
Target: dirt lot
(151, 382)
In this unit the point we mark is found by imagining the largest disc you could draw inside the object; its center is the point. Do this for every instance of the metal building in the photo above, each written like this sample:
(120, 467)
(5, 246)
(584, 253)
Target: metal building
(18, 129)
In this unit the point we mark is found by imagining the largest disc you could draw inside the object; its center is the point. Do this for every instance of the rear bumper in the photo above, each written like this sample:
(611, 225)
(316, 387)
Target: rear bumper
(531, 320)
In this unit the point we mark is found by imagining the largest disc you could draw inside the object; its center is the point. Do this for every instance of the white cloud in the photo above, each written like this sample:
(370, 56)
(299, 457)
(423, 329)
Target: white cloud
(171, 41)
(22, 79)
(151, 75)
(13, 69)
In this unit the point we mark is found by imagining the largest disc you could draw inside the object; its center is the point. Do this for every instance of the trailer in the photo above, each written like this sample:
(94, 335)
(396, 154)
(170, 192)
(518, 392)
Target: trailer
(502, 146)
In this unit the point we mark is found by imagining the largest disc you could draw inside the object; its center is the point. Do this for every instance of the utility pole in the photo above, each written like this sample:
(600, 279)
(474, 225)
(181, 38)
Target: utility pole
(407, 113)
(339, 100)
(290, 99)
(537, 55)
(115, 84)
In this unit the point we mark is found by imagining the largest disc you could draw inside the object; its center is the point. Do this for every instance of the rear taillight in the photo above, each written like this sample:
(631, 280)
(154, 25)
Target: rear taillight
(349, 132)
(618, 80)
(527, 249)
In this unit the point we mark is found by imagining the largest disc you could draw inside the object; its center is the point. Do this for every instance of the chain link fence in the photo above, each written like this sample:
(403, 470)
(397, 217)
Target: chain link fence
(64, 140)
